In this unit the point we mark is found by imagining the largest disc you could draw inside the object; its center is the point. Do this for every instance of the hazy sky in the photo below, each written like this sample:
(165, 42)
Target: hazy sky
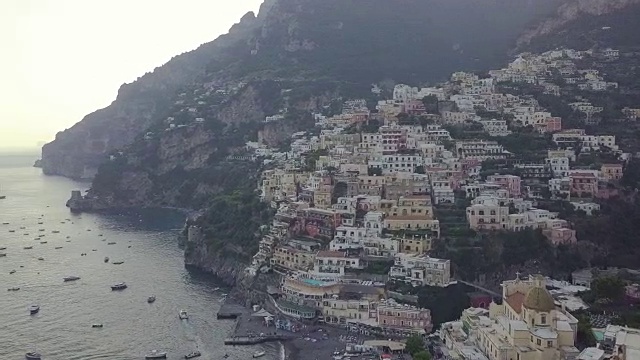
(62, 59)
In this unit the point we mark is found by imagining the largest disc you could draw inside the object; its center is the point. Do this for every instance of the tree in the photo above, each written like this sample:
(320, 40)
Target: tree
(414, 345)
(608, 288)
(422, 355)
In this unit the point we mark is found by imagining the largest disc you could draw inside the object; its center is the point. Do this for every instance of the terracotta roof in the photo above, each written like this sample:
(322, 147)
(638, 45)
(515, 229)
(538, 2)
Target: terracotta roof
(516, 300)
(334, 254)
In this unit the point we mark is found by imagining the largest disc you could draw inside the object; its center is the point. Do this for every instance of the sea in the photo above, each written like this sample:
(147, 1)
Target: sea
(146, 241)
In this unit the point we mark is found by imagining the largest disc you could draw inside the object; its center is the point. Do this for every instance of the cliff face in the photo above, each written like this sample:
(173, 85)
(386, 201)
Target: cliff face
(303, 40)
(572, 11)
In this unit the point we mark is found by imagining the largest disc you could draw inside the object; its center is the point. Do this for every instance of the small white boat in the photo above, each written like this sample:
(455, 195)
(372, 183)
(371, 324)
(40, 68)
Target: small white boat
(154, 354)
(258, 354)
(151, 299)
(183, 315)
(33, 309)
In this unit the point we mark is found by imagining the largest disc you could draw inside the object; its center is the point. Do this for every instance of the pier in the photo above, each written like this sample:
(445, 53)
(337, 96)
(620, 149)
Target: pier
(252, 340)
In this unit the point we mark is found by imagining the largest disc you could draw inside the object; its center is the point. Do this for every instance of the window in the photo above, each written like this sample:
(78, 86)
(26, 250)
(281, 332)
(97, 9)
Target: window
(549, 343)
(543, 319)
(539, 342)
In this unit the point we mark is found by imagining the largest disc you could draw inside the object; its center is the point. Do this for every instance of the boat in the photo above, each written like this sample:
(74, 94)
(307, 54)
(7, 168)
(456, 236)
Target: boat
(41, 229)
(183, 315)
(216, 289)
(119, 286)
(5, 223)
(111, 243)
(106, 259)
(58, 247)
(70, 278)
(154, 354)
(99, 234)
(28, 247)
(15, 288)
(40, 222)
(151, 299)
(12, 272)
(55, 231)
(43, 242)
(12, 231)
(32, 355)
(117, 262)
(33, 309)
(96, 325)
(41, 258)
(3, 254)
(258, 354)
(3, 248)
(68, 237)
(83, 254)
(193, 354)
(94, 249)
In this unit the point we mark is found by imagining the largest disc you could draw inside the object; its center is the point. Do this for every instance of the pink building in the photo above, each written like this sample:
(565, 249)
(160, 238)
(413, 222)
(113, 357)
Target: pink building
(511, 183)
(560, 236)
(395, 316)
(553, 124)
(414, 107)
(583, 184)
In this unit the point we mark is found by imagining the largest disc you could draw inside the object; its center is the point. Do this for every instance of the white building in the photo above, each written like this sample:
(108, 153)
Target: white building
(421, 270)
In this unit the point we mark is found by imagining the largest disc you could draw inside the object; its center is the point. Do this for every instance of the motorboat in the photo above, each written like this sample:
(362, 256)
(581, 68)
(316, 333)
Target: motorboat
(55, 231)
(106, 259)
(71, 278)
(117, 262)
(58, 247)
(119, 286)
(40, 223)
(5, 223)
(151, 299)
(12, 231)
(94, 249)
(41, 229)
(33, 309)
(193, 354)
(28, 247)
(3, 254)
(83, 254)
(154, 354)
(3, 248)
(41, 258)
(15, 288)
(43, 242)
(12, 272)
(111, 243)
(183, 315)
(258, 354)
(96, 325)
(32, 355)
(99, 234)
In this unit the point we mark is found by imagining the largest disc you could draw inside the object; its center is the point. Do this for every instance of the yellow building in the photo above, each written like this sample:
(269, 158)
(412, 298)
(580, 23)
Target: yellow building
(527, 325)
(292, 259)
(415, 244)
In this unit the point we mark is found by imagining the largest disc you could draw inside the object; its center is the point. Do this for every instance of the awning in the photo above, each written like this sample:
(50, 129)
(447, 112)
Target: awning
(262, 313)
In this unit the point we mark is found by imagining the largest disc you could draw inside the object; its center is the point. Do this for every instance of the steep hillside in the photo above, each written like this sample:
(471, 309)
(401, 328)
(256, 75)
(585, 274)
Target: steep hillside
(614, 26)
(349, 41)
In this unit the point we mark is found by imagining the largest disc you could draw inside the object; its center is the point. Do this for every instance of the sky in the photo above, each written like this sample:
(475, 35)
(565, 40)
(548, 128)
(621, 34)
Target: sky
(62, 59)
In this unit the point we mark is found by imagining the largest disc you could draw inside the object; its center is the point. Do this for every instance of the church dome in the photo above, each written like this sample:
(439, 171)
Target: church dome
(539, 299)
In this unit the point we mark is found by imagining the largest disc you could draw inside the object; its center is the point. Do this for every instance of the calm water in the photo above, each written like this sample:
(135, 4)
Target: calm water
(153, 264)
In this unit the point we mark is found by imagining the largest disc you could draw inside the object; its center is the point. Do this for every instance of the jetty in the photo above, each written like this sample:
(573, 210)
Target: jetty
(230, 311)
(258, 339)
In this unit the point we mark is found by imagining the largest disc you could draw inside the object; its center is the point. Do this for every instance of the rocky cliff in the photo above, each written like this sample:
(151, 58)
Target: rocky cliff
(572, 11)
(418, 40)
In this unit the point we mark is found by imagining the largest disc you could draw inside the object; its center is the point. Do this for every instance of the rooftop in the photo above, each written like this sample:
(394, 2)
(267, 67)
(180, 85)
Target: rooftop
(333, 254)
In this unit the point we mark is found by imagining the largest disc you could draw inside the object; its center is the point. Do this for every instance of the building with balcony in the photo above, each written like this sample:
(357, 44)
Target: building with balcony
(420, 269)
(611, 172)
(332, 264)
(487, 213)
(391, 315)
(288, 258)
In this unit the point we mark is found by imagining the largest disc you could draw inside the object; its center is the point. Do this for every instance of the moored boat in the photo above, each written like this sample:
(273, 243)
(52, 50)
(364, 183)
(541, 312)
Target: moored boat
(15, 288)
(258, 354)
(193, 354)
(119, 286)
(154, 354)
(151, 299)
(96, 325)
(71, 278)
(32, 355)
(3, 254)
(28, 247)
(34, 309)
(106, 259)
(117, 262)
